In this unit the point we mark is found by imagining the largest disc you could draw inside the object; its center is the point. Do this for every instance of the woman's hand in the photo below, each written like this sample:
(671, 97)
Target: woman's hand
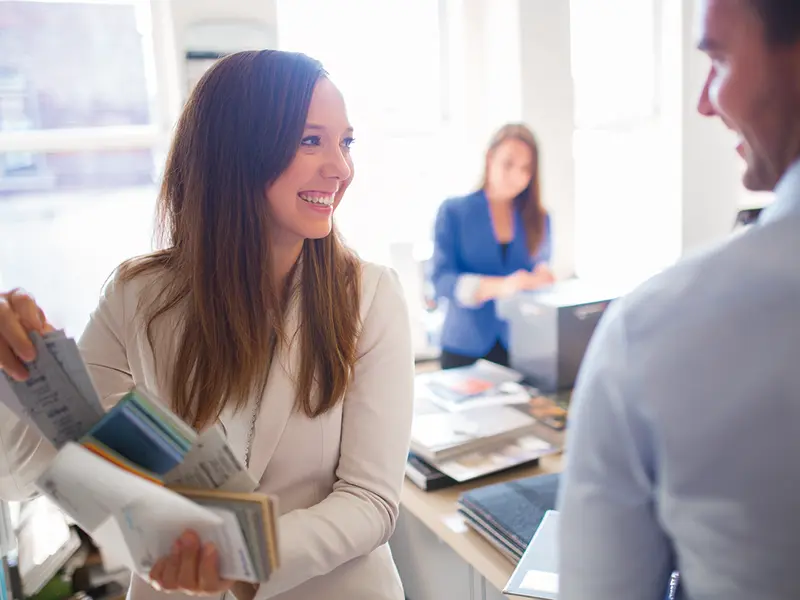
(524, 280)
(543, 275)
(544, 272)
(19, 316)
(191, 568)
(516, 282)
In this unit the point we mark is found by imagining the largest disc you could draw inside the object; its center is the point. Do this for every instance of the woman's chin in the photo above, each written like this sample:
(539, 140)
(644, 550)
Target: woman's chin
(318, 232)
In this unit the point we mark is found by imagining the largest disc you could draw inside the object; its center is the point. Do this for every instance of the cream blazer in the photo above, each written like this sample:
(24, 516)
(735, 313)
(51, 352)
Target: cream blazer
(337, 477)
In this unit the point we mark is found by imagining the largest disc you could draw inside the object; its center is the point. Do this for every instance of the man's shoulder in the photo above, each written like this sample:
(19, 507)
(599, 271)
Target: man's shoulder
(725, 284)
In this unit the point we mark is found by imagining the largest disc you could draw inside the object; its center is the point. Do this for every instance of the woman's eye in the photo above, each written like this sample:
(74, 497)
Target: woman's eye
(311, 140)
(348, 142)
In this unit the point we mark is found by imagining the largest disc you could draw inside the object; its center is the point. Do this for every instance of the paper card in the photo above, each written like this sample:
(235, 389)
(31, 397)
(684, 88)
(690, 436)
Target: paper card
(211, 465)
(51, 401)
(90, 489)
(149, 531)
(61, 483)
(115, 555)
(455, 523)
(127, 433)
(540, 581)
(149, 518)
(66, 352)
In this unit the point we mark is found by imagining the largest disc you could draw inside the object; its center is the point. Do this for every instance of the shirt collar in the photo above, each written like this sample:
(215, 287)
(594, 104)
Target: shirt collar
(787, 196)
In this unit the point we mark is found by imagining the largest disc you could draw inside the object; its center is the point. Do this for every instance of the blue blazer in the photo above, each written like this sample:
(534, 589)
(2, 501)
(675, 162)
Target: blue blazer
(464, 243)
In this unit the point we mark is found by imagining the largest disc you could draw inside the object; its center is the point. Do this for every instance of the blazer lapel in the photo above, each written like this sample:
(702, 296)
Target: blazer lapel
(278, 401)
(492, 254)
(518, 252)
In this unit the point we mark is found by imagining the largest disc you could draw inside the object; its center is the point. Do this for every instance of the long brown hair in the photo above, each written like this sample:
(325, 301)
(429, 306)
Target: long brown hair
(529, 200)
(239, 130)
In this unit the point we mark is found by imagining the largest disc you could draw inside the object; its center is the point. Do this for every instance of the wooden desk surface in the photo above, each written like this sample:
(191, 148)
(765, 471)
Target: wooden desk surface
(438, 511)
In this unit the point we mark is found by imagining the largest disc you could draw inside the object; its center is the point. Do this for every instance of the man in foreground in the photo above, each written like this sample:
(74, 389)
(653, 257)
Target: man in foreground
(684, 447)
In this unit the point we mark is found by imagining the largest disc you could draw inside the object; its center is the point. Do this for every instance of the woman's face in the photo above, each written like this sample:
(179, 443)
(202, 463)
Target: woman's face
(303, 198)
(509, 168)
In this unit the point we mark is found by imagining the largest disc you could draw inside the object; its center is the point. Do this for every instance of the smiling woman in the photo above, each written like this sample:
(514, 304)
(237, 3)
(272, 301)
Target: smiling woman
(254, 314)
(306, 194)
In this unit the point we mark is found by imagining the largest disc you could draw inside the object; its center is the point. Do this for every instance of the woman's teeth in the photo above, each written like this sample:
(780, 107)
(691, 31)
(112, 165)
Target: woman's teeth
(320, 200)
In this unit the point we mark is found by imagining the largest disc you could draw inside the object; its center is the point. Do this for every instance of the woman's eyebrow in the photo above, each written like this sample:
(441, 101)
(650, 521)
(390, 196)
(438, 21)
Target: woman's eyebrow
(316, 127)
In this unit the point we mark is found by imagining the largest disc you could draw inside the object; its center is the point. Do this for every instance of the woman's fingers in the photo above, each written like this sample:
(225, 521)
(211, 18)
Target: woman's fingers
(208, 573)
(192, 567)
(30, 315)
(10, 363)
(12, 331)
(19, 315)
(157, 573)
(190, 558)
(172, 563)
(15, 345)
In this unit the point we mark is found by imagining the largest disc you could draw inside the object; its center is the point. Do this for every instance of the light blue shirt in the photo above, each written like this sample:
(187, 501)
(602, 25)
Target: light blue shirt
(684, 443)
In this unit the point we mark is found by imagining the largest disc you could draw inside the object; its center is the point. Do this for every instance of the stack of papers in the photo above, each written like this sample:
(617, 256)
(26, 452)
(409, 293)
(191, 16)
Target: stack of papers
(453, 447)
(142, 432)
(254, 514)
(137, 477)
(479, 385)
(437, 437)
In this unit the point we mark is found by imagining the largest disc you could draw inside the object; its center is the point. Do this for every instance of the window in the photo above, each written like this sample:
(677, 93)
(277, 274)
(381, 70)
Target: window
(614, 62)
(74, 65)
(626, 225)
(80, 147)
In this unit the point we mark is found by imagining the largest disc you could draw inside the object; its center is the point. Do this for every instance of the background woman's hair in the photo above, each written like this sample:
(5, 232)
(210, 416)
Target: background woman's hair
(239, 130)
(529, 200)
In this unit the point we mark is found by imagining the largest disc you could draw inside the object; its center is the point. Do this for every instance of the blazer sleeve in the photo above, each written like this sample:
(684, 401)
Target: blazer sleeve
(361, 512)
(449, 280)
(445, 269)
(24, 453)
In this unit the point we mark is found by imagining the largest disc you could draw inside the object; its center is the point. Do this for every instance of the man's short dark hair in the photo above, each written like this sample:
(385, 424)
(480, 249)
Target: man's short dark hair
(781, 19)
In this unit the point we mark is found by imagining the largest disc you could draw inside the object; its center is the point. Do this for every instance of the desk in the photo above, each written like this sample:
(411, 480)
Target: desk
(438, 557)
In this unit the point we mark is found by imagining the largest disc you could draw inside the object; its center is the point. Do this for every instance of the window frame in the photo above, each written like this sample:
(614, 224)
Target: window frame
(130, 137)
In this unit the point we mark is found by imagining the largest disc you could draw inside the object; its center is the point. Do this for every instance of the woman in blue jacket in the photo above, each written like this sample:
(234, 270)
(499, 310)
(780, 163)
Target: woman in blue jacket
(491, 244)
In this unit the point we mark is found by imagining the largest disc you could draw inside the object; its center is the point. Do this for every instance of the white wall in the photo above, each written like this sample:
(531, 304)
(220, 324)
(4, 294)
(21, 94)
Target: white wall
(548, 107)
(180, 25)
(483, 77)
(710, 167)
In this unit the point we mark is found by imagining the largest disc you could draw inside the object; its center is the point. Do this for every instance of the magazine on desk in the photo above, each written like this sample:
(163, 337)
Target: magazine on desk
(479, 385)
(467, 444)
(137, 476)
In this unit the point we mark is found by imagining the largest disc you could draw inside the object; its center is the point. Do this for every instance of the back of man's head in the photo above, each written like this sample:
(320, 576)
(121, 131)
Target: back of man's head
(781, 19)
